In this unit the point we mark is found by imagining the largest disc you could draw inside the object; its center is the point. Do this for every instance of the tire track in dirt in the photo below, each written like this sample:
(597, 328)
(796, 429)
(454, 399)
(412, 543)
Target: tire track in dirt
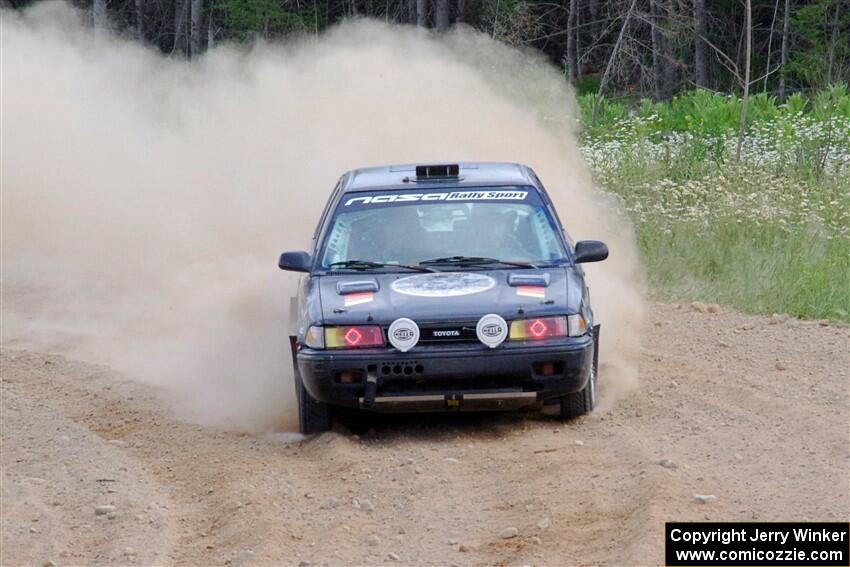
(769, 443)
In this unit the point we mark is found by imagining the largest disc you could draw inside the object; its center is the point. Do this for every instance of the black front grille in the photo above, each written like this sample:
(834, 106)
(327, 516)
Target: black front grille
(463, 332)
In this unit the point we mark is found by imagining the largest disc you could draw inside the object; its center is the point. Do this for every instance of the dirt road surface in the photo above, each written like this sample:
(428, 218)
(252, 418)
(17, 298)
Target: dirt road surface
(750, 412)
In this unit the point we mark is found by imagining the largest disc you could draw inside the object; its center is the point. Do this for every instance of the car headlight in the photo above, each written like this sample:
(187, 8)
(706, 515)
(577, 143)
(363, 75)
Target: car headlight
(576, 325)
(315, 337)
(547, 328)
(349, 336)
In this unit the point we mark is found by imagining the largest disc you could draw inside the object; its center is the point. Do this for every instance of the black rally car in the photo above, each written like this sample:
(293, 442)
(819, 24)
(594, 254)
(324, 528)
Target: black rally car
(441, 288)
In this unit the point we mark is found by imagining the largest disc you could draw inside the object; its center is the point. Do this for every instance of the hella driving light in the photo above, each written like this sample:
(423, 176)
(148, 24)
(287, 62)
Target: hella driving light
(492, 330)
(354, 336)
(403, 334)
(547, 328)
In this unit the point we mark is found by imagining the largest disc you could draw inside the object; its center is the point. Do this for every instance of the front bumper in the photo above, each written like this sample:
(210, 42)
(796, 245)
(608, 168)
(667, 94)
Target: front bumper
(457, 377)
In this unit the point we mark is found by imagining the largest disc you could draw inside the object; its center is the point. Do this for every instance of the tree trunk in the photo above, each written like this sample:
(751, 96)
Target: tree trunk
(657, 42)
(700, 52)
(461, 9)
(577, 36)
(179, 26)
(196, 27)
(210, 32)
(742, 119)
(783, 58)
(98, 14)
(572, 31)
(140, 20)
(441, 20)
(422, 13)
(769, 45)
(607, 74)
(833, 41)
(411, 11)
(669, 61)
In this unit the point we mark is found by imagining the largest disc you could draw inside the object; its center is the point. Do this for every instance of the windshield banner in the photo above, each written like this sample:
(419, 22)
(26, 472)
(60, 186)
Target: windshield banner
(392, 198)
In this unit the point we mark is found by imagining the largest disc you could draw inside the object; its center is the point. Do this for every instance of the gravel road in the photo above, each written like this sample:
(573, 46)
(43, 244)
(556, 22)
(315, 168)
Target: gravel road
(736, 418)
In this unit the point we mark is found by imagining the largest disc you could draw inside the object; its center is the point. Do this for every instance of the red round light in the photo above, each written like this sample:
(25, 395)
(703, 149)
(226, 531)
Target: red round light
(352, 337)
(537, 328)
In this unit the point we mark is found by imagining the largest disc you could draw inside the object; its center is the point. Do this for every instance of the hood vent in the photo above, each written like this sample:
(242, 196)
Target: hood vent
(449, 171)
(359, 286)
(537, 280)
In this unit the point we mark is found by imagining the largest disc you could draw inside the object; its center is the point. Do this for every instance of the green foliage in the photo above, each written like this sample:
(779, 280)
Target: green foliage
(702, 112)
(823, 27)
(589, 84)
(768, 234)
(246, 19)
(609, 112)
(796, 104)
(753, 268)
(832, 102)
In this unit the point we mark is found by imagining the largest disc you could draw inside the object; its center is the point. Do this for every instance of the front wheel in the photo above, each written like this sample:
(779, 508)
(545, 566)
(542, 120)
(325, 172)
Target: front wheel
(582, 402)
(313, 415)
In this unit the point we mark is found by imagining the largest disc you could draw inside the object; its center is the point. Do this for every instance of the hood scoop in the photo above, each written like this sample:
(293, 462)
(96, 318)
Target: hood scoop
(536, 280)
(359, 286)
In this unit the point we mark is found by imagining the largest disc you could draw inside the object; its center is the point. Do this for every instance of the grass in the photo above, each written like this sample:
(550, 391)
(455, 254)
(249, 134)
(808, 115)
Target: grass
(755, 269)
(768, 234)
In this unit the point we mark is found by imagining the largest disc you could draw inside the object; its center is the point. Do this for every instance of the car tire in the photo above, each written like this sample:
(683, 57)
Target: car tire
(582, 402)
(313, 415)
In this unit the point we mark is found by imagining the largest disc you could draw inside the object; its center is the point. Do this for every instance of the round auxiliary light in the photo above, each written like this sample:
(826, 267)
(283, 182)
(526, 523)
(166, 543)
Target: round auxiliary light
(492, 330)
(403, 334)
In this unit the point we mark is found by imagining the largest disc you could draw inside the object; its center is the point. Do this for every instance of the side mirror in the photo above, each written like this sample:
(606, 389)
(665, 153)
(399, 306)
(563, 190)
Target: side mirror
(295, 261)
(590, 251)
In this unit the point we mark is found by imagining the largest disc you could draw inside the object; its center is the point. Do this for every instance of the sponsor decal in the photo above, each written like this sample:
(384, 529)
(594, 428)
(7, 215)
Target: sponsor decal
(536, 291)
(403, 334)
(492, 330)
(449, 333)
(443, 284)
(447, 196)
(358, 298)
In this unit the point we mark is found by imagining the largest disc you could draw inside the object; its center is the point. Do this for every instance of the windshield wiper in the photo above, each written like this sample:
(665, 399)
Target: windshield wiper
(369, 265)
(474, 261)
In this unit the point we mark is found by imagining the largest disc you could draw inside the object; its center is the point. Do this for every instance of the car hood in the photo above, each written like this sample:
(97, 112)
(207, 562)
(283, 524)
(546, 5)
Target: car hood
(448, 296)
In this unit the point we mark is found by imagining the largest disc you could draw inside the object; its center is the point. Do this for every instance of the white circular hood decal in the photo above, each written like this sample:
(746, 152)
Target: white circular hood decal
(403, 334)
(492, 330)
(445, 284)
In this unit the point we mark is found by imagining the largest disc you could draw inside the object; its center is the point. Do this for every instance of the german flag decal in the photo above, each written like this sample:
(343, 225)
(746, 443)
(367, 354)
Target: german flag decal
(536, 291)
(358, 298)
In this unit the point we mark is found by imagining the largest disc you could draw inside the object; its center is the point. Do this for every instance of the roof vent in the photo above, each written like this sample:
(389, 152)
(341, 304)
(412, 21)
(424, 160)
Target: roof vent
(448, 171)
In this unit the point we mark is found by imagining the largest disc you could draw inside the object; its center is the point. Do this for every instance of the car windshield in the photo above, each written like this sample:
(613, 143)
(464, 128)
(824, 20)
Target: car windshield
(445, 227)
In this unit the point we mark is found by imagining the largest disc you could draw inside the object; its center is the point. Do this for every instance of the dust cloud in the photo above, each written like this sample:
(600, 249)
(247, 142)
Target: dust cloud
(145, 199)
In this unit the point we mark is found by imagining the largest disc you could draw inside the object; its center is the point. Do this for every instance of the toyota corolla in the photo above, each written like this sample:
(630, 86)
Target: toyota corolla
(442, 287)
